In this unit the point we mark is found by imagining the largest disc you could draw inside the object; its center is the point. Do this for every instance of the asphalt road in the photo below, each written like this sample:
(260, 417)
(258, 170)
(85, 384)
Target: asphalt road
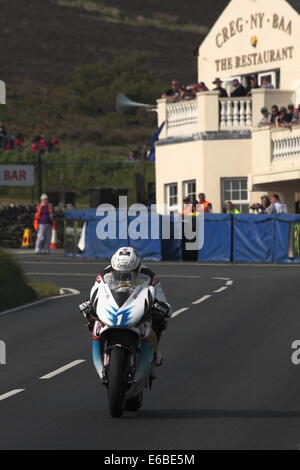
(227, 381)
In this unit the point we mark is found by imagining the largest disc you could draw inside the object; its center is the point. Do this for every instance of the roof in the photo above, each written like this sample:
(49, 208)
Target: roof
(295, 4)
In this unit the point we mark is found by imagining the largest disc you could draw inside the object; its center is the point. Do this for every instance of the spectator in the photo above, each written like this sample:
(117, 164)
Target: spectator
(297, 116)
(266, 83)
(184, 93)
(133, 156)
(192, 90)
(238, 89)
(187, 206)
(266, 119)
(290, 116)
(202, 87)
(230, 209)
(43, 224)
(222, 92)
(276, 206)
(261, 208)
(281, 119)
(3, 134)
(274, 114)
(173, 92)
(205, 205)
(253, 84)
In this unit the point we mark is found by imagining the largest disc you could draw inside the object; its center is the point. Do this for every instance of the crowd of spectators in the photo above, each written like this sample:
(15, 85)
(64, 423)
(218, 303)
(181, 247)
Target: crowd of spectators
(179, 92)
(280, 117)
(40, 144)
(9, 142)
(268, 205)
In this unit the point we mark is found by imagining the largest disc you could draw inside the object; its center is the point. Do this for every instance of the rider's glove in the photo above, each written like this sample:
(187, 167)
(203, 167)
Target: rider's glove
(86, 308)
(162, 308)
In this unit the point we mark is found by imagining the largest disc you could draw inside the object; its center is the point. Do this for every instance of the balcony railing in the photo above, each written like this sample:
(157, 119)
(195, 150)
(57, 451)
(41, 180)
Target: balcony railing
(182, 118)
(205, 113)
(236, 113)
(286, 146)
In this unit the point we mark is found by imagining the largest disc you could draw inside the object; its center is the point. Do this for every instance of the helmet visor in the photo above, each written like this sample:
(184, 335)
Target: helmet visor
(124, 279)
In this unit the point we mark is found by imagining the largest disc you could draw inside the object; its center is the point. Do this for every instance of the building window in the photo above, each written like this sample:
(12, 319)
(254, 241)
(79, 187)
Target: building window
(172, 197)
(236, 191)
(189, 189)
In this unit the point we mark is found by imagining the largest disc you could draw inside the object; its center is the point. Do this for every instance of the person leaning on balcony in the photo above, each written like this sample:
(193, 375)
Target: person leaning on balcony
(172, 93)
(205, 205)
(222, 92)
(266, 119)
(276, 206)
(282, 120)
(230, 209)
(238, 89)
(274, 114)
(290, 117)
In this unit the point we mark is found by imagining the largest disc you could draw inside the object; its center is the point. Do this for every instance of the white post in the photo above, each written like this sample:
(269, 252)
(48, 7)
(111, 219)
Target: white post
(229, 113)
(236, 114)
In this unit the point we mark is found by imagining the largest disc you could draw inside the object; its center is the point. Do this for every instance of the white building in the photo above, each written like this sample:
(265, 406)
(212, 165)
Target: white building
(213, 144)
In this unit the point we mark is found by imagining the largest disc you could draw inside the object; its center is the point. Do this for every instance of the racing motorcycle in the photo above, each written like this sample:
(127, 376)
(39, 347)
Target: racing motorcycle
(124, 352)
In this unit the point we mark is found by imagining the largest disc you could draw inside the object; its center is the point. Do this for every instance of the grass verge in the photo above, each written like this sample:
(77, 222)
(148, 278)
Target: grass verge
(15, 289)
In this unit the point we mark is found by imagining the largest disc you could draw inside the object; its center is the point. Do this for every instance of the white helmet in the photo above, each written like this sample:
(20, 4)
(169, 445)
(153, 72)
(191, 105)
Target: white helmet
(126, 259)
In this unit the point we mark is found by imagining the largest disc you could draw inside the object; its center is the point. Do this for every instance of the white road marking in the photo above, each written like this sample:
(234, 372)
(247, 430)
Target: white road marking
(229, 283)
(178, 312)
(220, 290)
(62, 369)
(11, 393)
(205, 297)
(222, 278)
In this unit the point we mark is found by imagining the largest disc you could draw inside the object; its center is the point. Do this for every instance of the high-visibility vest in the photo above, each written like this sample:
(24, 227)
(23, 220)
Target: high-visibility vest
(37, 215)
(206, 206)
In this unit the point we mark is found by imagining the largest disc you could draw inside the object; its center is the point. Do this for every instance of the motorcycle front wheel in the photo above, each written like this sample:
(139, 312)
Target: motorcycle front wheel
(117, 381)
(134, 404)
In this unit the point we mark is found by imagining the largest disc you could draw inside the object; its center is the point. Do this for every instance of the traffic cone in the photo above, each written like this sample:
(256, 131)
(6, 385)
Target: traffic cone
(26, 239)
(54, 242)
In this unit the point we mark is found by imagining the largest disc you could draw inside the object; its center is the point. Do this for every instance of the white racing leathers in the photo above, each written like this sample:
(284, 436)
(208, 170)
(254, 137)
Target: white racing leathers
(123, 331)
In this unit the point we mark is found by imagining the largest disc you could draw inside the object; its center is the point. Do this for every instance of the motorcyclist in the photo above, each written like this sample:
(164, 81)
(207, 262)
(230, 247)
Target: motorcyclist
(126, 263)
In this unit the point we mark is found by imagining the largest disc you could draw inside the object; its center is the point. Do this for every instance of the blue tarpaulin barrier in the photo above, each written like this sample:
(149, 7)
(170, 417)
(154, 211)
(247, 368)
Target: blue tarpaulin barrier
(217, 238)
(287, 238)
(253, 238)
(238, 238)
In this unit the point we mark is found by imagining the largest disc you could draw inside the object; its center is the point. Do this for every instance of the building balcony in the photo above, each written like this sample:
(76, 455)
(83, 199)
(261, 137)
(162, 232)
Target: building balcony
(208, 113)
(275, 158)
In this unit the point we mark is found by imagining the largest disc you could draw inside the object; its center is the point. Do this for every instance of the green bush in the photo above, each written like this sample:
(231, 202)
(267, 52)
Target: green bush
(13, 285)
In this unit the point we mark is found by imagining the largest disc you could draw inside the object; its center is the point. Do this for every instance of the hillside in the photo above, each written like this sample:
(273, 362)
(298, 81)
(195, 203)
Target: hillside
(43, 40)
(64, 61)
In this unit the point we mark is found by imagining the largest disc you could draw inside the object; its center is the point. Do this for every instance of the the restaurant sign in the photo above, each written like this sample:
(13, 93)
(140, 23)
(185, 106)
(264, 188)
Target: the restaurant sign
(16, 175)
(2, 92)
(254, 23)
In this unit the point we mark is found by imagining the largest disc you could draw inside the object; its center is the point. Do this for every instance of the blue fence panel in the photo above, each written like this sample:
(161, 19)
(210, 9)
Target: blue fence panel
(100, 249)
(287, 239)
(149, 249)
(171, 248)
(217, 238)
(253, 238)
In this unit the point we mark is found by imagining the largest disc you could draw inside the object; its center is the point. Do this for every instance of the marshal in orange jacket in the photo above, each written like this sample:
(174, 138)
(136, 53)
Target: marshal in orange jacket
(37, 214)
